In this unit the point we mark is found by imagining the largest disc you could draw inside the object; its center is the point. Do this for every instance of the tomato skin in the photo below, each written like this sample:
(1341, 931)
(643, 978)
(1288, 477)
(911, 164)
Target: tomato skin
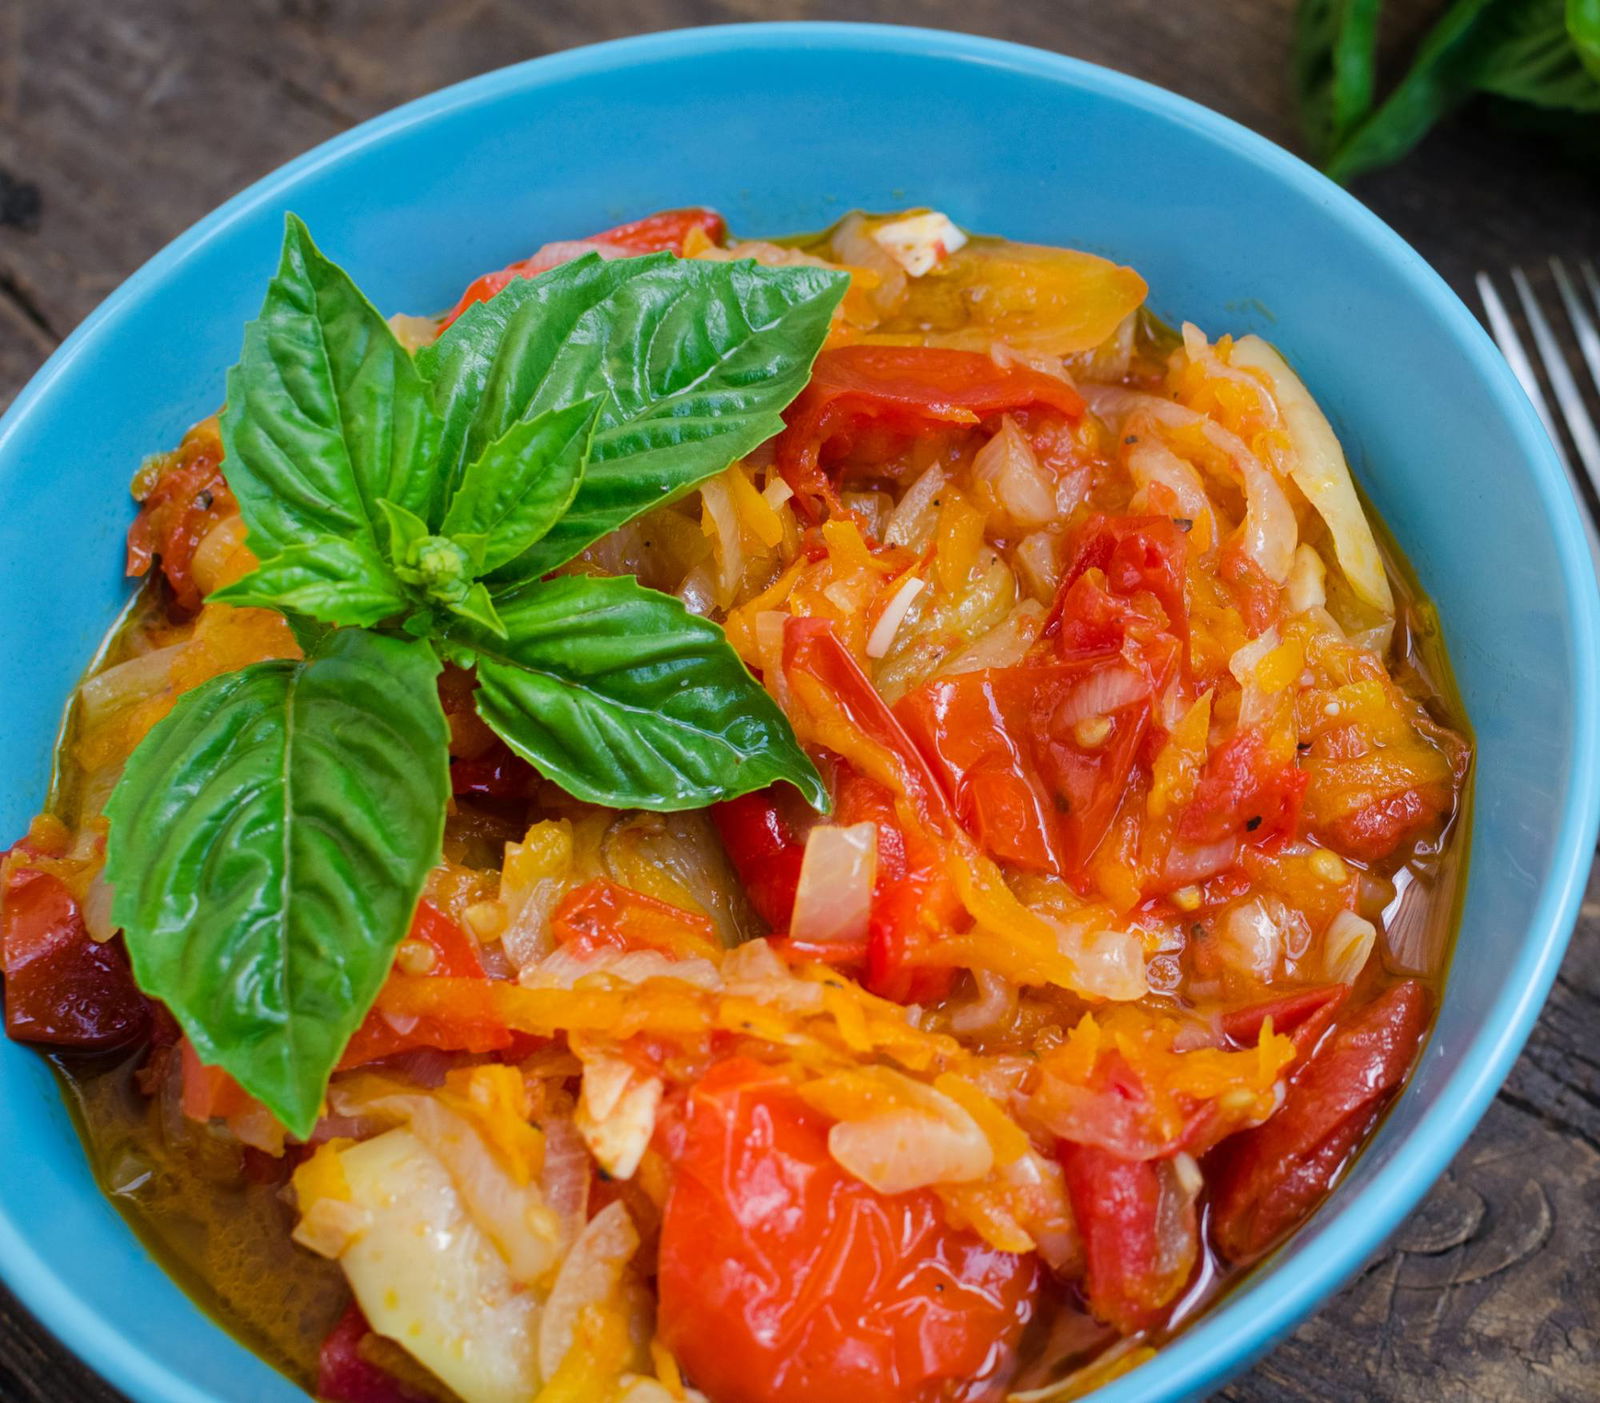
(765, 847)
(345, 1375)
(1243, 793)
(1266, 1180)
(61, 988)
(455, 957)
(1117, 1206)
(657, 233)
(880, 393)
(784, 1280)
(1303, 1016)
(1024, 785)
(185, 501)
(605, 915)
(1136, 555)
(499, 774)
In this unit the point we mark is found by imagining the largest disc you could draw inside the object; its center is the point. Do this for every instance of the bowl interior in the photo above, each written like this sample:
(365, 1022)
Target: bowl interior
(783, 129)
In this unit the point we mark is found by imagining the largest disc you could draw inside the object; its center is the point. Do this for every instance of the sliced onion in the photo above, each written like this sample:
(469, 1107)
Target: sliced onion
(727, 538)
(591, 1275)
(1107, 963)
(834, 897)
(901, 1150)
(96, 910)
(912, 521)
(1308, 581)
(567, 1173)
(1269, 532)
(1187, 863)
(1024, 491)
(1037, 558)
(1254, 704)
(894, 613)
(125, 683)
(1253, 936)
(1101, 693)
(1347, 946)
(1151, 462)
(617, 1112)
(854, 246)
(993, 1009)
(1321, 473)
(1005, 645)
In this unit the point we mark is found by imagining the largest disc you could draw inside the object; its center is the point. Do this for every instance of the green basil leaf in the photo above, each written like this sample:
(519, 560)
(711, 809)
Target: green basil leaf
(1442, 76)
(326, 411)
(1335, 67)
(334, 580)
(1533, 58)
(696, 361)
(1583, 25)
(523, 482)
(623, 697)
(269, 841)
(478, 608)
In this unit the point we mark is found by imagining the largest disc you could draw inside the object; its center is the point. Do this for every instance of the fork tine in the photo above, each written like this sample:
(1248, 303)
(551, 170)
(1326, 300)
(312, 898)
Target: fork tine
(1582, 322)
(1585, 438)
(1510, 344)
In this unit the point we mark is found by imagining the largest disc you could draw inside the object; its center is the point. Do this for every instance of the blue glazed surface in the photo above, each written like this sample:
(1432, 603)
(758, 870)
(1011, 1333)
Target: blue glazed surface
(784, 128)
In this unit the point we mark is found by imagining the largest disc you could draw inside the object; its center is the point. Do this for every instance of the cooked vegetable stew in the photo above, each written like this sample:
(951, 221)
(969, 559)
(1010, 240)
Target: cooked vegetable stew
(852, 817)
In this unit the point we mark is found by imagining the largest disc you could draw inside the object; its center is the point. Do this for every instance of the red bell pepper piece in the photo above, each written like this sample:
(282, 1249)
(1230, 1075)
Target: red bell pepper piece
(346, 1375)
(61, 987)
(455, 956)
(857, 392)
(1267, 1180)
(1131, 1275)
(657, 233)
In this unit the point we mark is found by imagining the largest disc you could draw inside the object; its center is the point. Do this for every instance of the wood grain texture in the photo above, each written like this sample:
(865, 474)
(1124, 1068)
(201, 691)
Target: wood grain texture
(122, 124)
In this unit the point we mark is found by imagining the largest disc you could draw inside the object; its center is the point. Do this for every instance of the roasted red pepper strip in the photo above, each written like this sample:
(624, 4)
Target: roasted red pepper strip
(899, 391)
(455, 956)
(61, 987)
(346, 1375)
(1131, 1274)
(1304, 1017)
(658, 233)
(785, 1280)
(1266, 1180)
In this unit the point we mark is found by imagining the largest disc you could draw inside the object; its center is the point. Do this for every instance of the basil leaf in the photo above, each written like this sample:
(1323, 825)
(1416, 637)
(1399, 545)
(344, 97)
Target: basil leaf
(333, 580)
(1441, 77)
(1335, 67)
(1583, 25)
(478, 608)
(523, 482)
(326, 411)
(623, 697)
(696, 360)
(1534, 59)
(269, 842)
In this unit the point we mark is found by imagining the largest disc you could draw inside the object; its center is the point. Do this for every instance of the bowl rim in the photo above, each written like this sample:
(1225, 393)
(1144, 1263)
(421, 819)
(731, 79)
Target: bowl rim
(1246, 1323)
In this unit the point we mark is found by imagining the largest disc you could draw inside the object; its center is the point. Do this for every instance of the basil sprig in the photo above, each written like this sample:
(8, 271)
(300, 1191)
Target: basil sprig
(270, 838)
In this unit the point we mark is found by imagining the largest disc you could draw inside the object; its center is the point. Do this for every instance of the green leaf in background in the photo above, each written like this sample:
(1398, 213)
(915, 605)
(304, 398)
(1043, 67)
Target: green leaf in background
(268, 845)
(1583, 25)
(335, 580)
(1543, 53)
(326, 411)
(523, 482)
(696, 361)
(1533, 58)
(1335, 68)
(623, 697)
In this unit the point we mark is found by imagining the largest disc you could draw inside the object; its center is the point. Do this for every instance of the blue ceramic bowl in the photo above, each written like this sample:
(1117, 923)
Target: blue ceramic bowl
(783, 128)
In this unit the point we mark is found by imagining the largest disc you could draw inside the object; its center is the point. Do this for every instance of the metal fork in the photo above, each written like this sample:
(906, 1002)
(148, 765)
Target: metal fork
(1581, 312)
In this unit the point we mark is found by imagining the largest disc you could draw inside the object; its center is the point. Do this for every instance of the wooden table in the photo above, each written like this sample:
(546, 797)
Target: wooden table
(121, 124)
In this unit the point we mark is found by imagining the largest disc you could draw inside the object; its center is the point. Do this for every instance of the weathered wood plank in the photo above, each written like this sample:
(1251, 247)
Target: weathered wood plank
(122, 124)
